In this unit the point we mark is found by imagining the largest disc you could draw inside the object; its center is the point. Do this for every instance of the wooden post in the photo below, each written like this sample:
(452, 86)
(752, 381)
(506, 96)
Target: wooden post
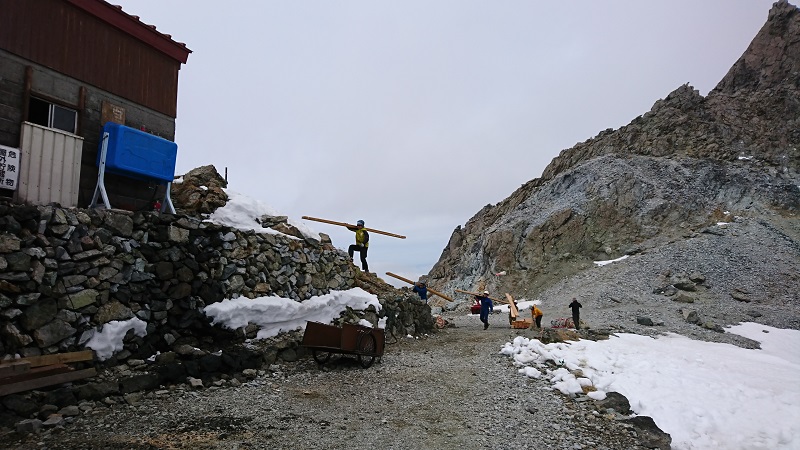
(411, 282)
(342, 224)
(513, 315)
(26, 93)
(512, 307)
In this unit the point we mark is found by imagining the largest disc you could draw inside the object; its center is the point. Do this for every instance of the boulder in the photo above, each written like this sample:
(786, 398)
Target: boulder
(649, 434)
(53, 333)
(200, 191)
(615, 401)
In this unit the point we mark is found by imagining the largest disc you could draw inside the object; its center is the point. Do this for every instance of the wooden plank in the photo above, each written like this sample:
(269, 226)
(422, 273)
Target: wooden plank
(342, 224)
(59, 358)
(411, 282)
(27, 385)
(479, 295)
(14, 368)
(36, 372)
(512, 307)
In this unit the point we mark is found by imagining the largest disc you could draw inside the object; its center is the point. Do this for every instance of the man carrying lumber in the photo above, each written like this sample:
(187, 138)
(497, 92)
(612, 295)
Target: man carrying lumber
(486, 307)
(422, 290)
(361, 245)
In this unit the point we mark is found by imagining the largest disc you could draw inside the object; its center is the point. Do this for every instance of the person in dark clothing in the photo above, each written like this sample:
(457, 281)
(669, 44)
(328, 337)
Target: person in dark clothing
(486, 307)
(422, 290)
(361, 246)
(576, 313)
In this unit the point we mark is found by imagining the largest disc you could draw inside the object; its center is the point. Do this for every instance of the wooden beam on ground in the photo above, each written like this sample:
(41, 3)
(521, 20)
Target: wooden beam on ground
(58, 358)
(342, 224)
(36, 372)
(480, 295)
(411, 282)
(47, 380)
(14, 368)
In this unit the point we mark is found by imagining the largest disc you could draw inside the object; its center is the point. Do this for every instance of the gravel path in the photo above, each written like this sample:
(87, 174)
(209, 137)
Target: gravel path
(448, 390)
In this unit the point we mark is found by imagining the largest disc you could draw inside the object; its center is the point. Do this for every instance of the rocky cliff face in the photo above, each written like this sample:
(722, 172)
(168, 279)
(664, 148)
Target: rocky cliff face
(688, 163)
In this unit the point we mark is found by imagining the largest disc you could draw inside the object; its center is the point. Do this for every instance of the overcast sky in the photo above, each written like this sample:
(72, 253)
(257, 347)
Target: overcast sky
(413, 115)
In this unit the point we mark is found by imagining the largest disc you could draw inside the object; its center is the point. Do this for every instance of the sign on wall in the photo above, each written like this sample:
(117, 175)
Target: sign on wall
(110, 112)
(9, 167)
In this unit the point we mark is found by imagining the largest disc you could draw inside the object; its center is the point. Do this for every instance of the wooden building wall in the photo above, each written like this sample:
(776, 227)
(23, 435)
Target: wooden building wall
(54, 50)
(61, 36)
(125, 193)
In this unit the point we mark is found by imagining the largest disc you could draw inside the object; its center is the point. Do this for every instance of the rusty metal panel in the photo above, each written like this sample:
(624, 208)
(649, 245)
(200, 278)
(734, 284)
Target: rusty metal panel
(65, 38)
(322, 335)
(50, 166)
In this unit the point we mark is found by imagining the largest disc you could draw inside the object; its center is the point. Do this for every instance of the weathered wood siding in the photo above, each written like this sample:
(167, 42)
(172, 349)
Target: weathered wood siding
(58, 35)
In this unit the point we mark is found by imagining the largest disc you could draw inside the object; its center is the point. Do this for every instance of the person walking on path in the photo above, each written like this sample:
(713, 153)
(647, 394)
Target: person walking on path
(422, 290)
(576, 313)
(361, 246)
(537, 316)
(486, 307)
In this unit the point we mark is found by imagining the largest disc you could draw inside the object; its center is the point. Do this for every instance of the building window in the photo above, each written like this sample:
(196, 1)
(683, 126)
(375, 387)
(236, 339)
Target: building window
(50, 115)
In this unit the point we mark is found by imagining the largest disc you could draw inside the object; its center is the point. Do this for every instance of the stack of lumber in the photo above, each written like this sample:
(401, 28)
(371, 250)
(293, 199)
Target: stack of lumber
(36, 372)
(524, 323)
(513, 314)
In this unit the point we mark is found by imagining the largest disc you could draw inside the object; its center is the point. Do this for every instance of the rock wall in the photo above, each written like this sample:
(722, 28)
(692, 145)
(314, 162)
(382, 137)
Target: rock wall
(603, 209)
(754, 111)
(687, 162)
(65, 272)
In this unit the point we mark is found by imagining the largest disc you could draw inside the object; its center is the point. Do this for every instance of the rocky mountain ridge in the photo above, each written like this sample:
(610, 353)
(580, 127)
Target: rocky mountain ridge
(671, 174)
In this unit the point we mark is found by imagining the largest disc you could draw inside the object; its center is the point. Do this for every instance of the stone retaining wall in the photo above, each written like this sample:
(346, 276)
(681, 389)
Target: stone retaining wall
(65, 272)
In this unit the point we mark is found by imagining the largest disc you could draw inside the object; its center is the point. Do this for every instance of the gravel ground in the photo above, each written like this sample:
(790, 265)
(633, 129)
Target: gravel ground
(451, 389)
(750, 257)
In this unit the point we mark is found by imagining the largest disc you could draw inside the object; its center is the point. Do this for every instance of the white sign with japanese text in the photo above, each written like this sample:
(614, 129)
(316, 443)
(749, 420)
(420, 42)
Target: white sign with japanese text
(9, 167)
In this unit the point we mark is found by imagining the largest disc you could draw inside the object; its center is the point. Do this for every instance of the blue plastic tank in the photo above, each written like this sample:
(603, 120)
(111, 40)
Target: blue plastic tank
(138, 154)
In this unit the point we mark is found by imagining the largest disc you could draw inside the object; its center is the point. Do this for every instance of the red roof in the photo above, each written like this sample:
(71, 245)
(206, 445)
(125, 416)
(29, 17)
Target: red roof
(115, 16)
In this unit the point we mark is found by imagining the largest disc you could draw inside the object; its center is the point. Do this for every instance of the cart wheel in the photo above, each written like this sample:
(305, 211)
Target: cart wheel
(366, 349)
(321, 356)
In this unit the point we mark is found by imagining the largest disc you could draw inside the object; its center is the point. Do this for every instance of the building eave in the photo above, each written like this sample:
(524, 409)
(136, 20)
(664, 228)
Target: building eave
(148, 34)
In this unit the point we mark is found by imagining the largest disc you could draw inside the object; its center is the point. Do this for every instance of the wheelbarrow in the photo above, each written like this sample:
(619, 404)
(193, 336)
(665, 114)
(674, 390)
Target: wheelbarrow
(325, 340)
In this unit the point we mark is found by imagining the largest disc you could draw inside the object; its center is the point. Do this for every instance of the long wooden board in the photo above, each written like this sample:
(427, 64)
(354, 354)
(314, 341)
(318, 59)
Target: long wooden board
(37, 372)
(49, 380)
(342, 224)
(512, 307)
(411, 282)
(14, 368)
(480, 295)
(58, 358)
